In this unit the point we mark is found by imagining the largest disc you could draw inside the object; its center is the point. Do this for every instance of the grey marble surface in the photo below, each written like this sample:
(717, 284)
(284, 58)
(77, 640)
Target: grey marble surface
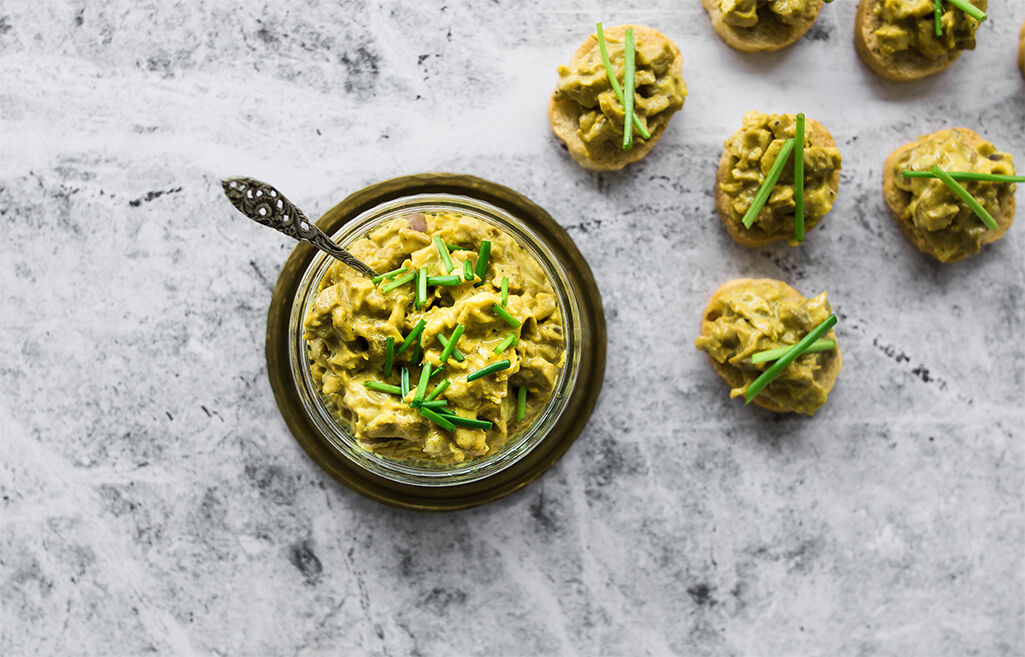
(153, 501)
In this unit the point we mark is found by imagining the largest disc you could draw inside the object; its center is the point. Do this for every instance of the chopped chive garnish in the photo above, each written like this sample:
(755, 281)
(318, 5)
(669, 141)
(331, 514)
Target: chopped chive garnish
(770, 181)
(456, 247)
(458, 355)
(467, 270)
(521, 403)
(382, 387)
(799, 179)
(466, 421)
(768, 375)
(956, 187)
(454, 279)
(506, 317)
(969, 9)
(510, 340)
(456, 418)
(773, 354)
(392, 274)
(482, 259)
(966, 175)
(446, 259)
(628, 90)
(389, 356)
(421, 287)
(421, 386)
(401, 280)
(490, 369)
(418, 355)
(404, 377)
(437, 419)
(505, 290)
(613, 82)
(438, 389)
(937, 16)
(439, 403)
(450, 347)
(413, 335)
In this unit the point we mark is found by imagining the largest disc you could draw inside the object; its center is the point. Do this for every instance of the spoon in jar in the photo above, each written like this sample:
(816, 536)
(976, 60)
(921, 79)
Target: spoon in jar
(266, 205)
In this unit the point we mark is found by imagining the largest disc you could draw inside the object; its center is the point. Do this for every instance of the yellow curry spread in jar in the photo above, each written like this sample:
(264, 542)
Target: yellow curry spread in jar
(379, 349)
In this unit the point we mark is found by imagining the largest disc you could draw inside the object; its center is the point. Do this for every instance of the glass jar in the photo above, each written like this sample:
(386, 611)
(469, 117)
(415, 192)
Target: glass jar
(524, 455)
(427, 474)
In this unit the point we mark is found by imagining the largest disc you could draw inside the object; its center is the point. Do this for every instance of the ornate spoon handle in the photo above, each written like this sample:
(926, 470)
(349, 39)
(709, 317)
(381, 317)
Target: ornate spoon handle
(266, 205)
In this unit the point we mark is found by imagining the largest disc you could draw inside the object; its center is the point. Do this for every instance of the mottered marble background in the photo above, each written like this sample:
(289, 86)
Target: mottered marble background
(153, 501)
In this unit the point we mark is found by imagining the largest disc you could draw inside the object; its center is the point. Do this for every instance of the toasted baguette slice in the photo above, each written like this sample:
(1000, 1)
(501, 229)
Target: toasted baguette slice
(904, 66)
(1021, 51)
(818, 134)
(898, 200)
(564, 115)
(826, 377)
(768, 35)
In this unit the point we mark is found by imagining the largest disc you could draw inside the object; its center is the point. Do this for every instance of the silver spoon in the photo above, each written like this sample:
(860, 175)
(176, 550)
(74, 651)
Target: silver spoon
(266, 205)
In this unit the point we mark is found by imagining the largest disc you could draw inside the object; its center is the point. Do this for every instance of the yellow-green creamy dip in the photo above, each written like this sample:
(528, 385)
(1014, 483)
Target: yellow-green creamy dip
(757, 317)
(745, 13)
(659, 91)
(351, 320)
(949, 226)
(909, 25)
(753, 150)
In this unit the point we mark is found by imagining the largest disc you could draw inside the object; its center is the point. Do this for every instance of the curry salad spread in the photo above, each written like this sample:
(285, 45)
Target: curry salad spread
(444, 358)
(746, 317)
(586, 111)
(929, 213)
(745, 13)
(659, 91)
(910, 25)
(745, 164)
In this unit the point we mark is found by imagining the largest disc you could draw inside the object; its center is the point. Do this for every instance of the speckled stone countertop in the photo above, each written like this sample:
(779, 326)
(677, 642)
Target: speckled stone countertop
(153, 500)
